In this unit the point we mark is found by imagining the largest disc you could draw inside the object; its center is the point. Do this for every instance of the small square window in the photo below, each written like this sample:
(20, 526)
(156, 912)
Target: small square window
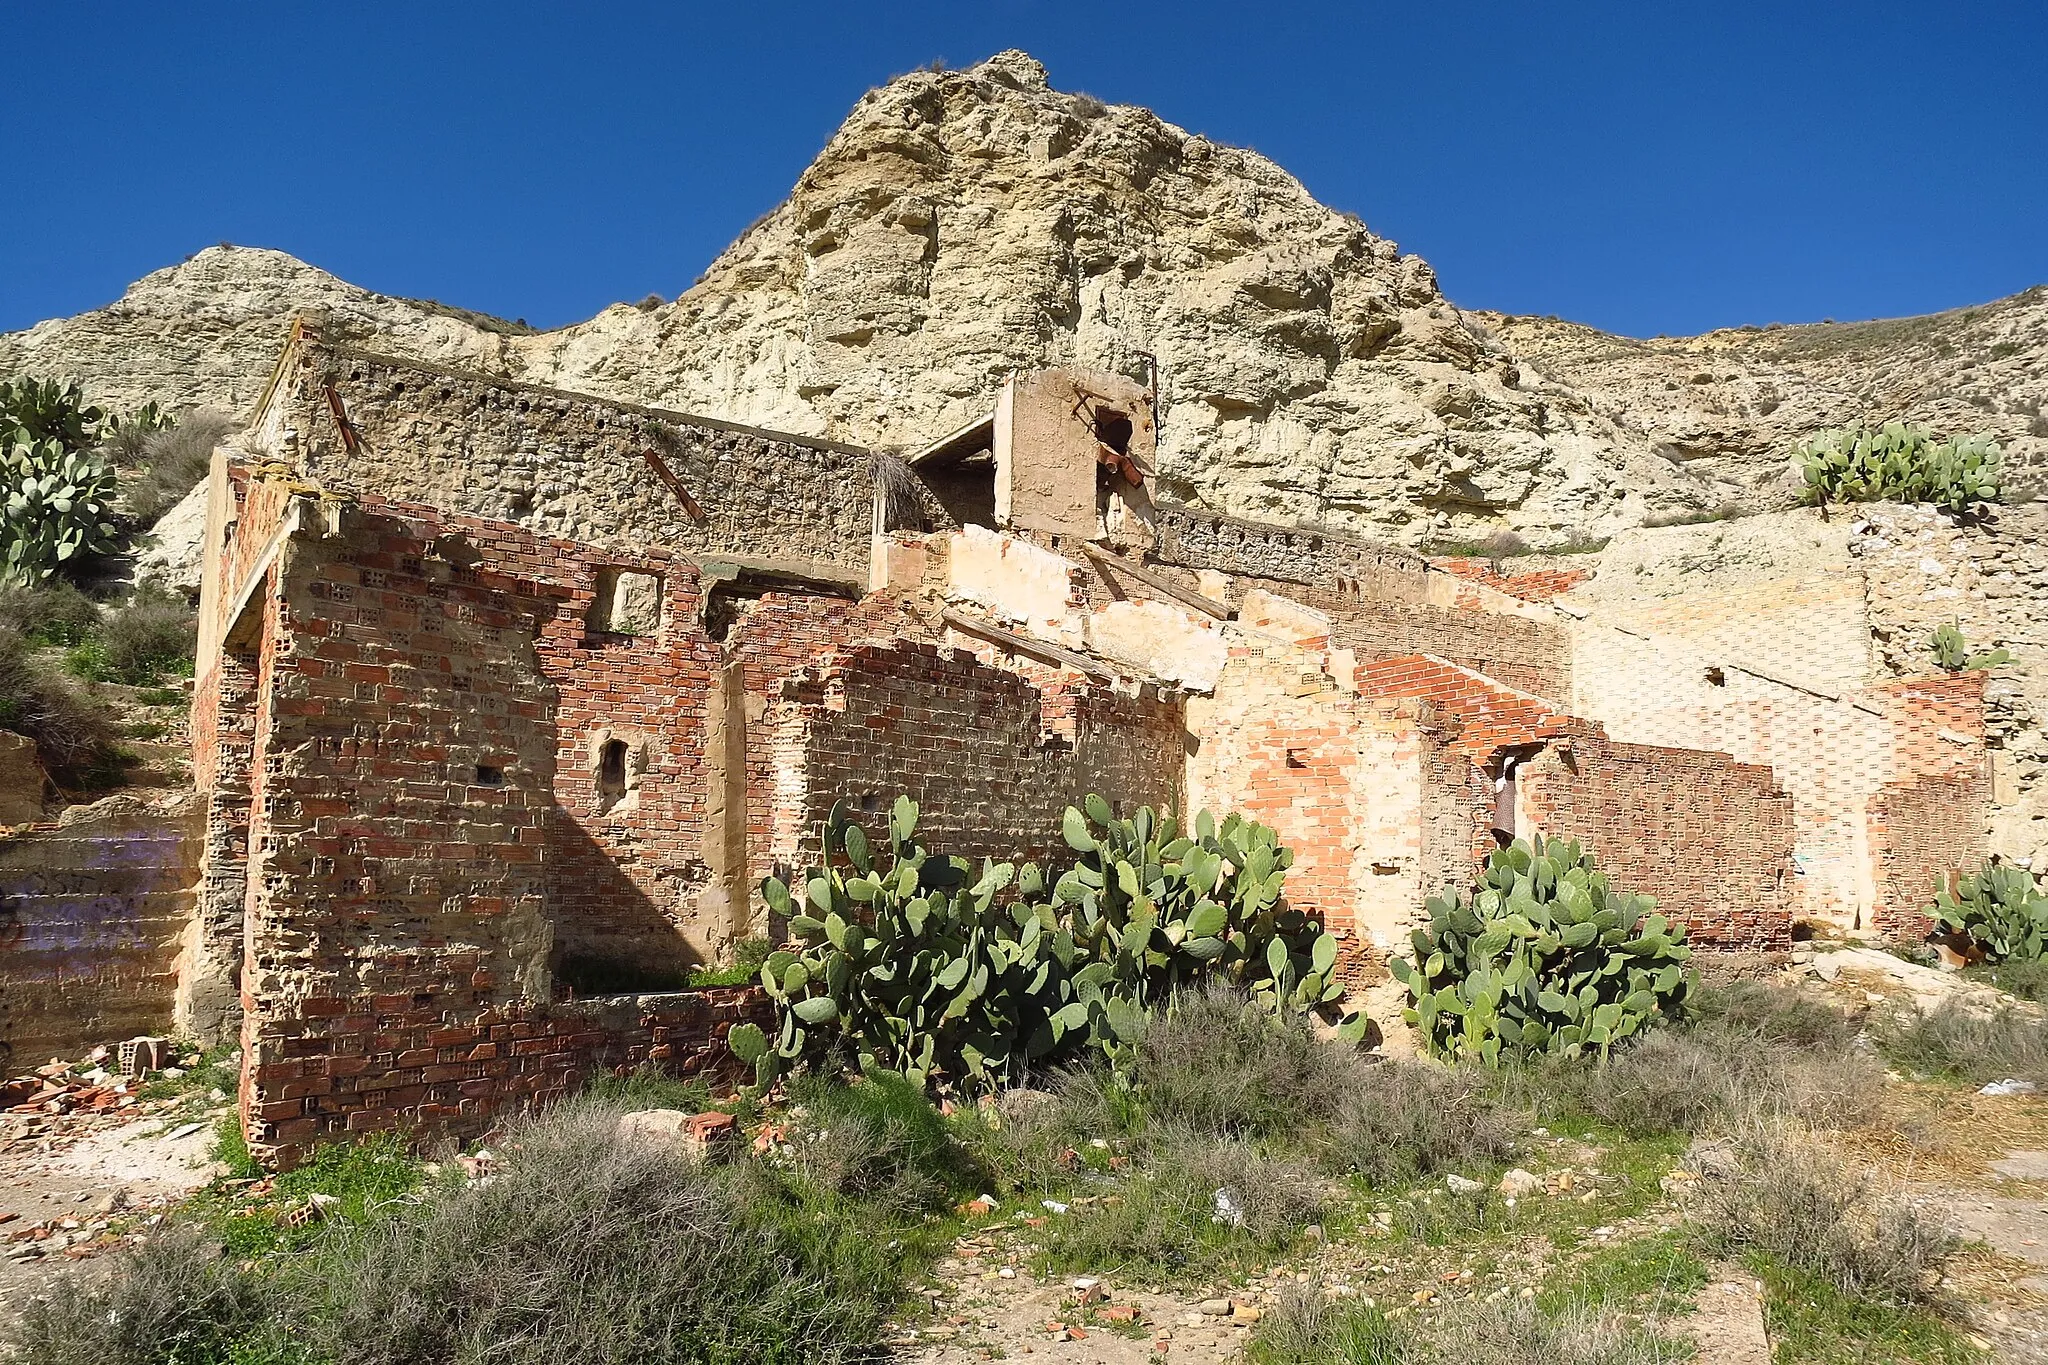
(489, 775)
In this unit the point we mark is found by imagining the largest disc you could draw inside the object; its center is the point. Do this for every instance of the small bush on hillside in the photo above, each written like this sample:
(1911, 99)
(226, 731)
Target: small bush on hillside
(174, 458)
(1545, 960)
(75, 734)
(54, 614)
(1899, 462)
(1996, 912)
(1780, 1194)
(146, 639)
(1955, 1039)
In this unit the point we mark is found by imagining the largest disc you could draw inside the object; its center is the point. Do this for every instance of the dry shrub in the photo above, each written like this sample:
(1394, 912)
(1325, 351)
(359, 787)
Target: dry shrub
(1766, 1013)
(874, 1138)
(174, 460)
(54, 613)
(1714, 1079)
(1400, 1120)
(1200, 1202)
(1216, 1062)
(176, 1298)
(1774, 1190)
(75, 734)
(590, 1247)
(147, 638)
(1956, 1039)
(1306, 1328)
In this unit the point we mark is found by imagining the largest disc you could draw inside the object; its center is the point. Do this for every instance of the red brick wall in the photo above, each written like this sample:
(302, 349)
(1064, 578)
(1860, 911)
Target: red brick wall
(1921, 830)
(1541, 585)
(1709, 838)
(1491, 715)
(968, 743)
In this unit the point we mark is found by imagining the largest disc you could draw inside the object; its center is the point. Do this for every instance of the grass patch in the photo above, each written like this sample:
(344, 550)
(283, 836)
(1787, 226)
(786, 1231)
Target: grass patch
(2022, 977)
(145, 640)
(1657, 1275)
(1308, 1329)
(1814, 1322)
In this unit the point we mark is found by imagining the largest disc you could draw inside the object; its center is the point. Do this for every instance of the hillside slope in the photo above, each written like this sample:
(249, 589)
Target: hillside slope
(963, 224)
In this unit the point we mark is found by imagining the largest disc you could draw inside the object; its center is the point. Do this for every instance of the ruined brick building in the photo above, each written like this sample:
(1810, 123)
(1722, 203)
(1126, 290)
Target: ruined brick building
(507, 698)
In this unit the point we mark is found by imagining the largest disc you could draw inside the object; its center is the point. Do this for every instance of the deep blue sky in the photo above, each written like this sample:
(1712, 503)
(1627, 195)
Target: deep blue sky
(1645, 167)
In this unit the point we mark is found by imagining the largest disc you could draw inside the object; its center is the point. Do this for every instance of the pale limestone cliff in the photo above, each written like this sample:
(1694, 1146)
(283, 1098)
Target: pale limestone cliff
(964, 224)
(1733, 402)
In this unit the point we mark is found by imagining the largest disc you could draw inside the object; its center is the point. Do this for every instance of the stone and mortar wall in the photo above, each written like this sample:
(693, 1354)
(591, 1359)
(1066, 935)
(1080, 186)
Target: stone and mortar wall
(571, 466)
(978, 748)
(1366, 791)
(92, 911)
(1709, 838)
(1990, 577)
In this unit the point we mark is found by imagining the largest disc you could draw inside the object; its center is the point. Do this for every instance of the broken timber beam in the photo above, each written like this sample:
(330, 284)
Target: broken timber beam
(1024, 644)
(1159, 583)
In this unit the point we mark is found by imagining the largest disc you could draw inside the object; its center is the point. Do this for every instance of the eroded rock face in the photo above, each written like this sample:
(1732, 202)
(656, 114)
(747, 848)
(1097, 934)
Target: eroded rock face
(964, 224)
(1732, 403)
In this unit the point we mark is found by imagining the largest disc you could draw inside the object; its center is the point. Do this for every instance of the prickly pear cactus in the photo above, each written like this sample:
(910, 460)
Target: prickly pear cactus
(1154, 909)
(1545, 959)
(921, 967)
(1899, 462)
(1996, 911)
(925, 970)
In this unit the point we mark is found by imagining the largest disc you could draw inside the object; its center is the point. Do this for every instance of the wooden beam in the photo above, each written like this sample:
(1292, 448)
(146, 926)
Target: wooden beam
(1159, 583)
(1024, 644)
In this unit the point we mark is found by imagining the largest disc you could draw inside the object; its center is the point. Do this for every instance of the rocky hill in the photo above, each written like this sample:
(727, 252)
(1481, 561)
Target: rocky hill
(1731, 403)
(962, 224)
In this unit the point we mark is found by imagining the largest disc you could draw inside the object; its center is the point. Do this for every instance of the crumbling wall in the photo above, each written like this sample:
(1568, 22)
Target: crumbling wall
(1923, 830)
(92, 909)
(1832, 753)
(1709, 838)
(1989, 576)
(1365, 791)
(404, 757)
(571, 466)
(969, 743)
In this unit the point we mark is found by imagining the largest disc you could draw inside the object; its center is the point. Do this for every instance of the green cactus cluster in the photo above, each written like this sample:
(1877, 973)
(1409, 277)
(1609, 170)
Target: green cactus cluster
(37, 410)
(1952, 650)
(925, 970)
(56, 508)
(1163, 908)
(1996, 912)
(1545, 960)
(56, 488)
(1899, 462)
